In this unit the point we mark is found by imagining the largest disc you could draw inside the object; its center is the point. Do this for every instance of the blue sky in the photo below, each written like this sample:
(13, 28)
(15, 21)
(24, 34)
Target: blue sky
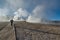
(49, 9)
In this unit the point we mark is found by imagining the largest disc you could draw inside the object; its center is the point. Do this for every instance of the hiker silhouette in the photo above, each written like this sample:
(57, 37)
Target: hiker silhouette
(11, 22)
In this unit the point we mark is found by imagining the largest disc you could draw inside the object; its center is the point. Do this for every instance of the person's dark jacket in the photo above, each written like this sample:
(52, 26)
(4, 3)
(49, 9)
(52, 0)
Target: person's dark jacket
(11, 22)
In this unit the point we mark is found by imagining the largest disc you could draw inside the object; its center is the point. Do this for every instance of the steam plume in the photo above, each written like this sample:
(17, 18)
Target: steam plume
(29, 10)
(38, 14)
(35, 17)
(21, 14)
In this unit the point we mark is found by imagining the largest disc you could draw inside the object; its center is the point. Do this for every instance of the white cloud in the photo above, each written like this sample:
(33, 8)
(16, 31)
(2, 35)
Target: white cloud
(15, 4)
(3, 11)
(3, 14)
(38, 13)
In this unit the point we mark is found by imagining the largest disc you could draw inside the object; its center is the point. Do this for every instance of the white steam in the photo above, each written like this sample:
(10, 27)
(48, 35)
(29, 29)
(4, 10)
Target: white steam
(33, 19)
(38, 14)
(3, 11)
(20, 14)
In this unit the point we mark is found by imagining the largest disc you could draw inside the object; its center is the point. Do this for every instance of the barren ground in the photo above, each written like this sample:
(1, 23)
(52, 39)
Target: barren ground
(29, 31)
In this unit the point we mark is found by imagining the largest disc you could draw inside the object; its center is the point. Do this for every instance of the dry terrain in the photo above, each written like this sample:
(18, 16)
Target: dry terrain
(29, 31)
(6, 31)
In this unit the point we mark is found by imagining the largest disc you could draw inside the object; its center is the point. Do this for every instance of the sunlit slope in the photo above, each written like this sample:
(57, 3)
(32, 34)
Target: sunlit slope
(6, 31)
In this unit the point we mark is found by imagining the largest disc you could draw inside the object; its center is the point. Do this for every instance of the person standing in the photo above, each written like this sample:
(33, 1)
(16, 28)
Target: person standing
(11, 22)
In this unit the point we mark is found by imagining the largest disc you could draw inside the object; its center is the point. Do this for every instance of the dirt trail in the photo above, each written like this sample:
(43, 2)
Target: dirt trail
(7, 33)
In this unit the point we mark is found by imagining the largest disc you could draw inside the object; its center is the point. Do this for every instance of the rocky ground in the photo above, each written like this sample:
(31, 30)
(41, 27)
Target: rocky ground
(29, 31)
